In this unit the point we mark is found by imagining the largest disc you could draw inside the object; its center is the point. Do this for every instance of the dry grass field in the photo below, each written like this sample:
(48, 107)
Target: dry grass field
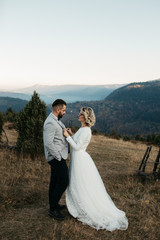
(24, 194)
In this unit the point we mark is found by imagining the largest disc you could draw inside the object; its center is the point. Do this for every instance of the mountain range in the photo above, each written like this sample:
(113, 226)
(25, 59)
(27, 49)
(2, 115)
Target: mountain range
(15, 103)
(132, 109)
(129, 110)
(70, 93)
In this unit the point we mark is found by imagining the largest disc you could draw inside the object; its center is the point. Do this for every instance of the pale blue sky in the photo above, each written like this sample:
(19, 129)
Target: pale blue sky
(78, 42)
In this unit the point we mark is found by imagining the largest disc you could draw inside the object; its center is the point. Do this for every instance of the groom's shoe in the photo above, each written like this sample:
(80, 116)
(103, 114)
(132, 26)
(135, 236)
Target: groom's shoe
(61, 207)
(56, 214)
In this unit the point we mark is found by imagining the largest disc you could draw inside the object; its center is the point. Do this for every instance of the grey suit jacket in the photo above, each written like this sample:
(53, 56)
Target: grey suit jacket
(55, 144)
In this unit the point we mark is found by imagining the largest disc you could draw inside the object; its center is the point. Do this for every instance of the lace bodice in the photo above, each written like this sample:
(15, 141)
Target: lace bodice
(80, 139)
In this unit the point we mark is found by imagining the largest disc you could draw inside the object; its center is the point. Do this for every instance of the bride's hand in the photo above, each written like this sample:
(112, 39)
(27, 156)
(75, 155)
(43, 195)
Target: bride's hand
(69, 131)
(65, 133)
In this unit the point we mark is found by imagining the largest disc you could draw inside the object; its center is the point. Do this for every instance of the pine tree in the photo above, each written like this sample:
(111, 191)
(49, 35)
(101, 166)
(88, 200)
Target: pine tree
(10, 115)
(30, 127)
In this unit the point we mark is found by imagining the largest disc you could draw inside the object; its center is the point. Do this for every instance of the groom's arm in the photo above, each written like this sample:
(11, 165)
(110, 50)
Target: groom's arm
(49, 135)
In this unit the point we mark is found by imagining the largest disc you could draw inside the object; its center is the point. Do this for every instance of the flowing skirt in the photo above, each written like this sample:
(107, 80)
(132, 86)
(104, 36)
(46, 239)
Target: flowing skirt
(86, 196)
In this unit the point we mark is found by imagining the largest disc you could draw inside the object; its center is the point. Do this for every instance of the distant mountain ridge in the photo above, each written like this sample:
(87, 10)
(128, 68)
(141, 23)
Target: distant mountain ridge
(21, 96)
(129, 110)
(70, 93)
(15, 103)
(132, 109)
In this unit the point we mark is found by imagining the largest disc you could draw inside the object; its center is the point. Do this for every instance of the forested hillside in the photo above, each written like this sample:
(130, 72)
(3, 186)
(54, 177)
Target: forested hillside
(132, 109)
(14, 103)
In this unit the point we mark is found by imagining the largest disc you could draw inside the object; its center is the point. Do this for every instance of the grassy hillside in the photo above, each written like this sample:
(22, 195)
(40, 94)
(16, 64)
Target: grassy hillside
(24, 195)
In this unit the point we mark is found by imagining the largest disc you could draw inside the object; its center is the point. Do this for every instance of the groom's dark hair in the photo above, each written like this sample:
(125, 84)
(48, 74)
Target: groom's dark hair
(58, 103)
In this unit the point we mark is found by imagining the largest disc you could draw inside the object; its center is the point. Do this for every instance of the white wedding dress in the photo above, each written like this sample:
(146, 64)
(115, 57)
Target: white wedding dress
(86, 196)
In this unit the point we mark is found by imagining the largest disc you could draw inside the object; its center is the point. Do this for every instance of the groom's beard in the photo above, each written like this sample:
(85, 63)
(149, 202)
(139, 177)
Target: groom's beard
(60, 116)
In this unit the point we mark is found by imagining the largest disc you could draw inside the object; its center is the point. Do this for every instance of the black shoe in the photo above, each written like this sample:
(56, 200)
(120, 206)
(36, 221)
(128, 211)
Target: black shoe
(61, 207)
(56, 215)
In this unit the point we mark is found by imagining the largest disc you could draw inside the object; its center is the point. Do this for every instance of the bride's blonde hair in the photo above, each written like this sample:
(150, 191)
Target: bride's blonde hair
(88, 115)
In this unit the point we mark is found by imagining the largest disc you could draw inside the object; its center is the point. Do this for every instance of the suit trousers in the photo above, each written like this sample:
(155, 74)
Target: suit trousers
(59, 181)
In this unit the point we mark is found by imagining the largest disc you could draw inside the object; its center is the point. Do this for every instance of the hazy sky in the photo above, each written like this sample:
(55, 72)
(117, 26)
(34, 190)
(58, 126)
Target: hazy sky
(78, 42)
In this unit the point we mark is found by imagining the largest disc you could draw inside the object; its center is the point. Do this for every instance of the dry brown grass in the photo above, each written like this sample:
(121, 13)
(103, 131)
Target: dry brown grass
(24, 195)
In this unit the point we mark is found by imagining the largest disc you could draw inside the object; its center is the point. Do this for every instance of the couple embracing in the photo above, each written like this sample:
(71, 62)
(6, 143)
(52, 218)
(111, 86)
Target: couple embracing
(86, 196)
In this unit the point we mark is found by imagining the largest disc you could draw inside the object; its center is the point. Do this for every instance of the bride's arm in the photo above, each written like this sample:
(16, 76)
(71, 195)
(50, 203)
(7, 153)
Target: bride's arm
(83, 139)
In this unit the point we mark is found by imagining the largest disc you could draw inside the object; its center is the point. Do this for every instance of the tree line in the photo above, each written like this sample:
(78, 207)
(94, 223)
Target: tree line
(150, 138)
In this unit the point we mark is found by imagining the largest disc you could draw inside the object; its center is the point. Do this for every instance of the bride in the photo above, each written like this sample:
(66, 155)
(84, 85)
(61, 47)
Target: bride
(86, 196)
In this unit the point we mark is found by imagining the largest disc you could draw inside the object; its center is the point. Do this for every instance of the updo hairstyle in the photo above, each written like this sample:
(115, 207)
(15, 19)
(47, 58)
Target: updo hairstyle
(89, 116)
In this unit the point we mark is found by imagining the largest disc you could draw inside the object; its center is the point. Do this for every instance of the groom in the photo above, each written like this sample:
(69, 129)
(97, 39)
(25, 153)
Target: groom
(56, 153)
